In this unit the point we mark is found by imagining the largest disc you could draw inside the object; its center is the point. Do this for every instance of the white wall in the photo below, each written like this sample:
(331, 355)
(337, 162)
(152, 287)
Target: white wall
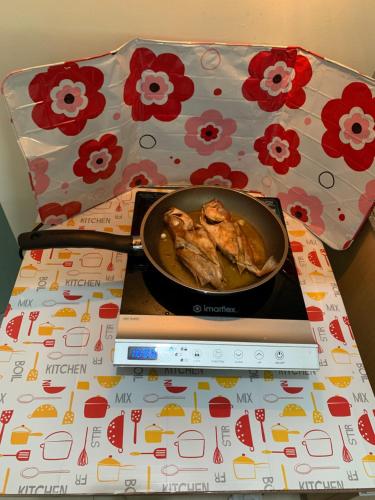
(34, 32)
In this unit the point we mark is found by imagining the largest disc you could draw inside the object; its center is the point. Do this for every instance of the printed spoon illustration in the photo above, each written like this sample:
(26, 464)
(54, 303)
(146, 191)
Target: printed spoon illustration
(29, 398)
(152, 398)
(51, 303)
(273, 398)
(172, 470)
(75, 272)
(58, 355)
(31, 472)
(306, 468)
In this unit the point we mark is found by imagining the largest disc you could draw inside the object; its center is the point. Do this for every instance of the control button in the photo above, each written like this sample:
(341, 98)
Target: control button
(218, 353)
(197, 353)
(279, 355)
(259, 354)
(238, 354)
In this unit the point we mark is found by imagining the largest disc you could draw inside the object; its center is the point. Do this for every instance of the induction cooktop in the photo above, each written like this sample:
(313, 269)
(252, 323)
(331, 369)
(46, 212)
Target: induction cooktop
(164, 324)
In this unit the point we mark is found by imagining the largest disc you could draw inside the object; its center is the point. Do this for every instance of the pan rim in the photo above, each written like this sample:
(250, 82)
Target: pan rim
(205, 291)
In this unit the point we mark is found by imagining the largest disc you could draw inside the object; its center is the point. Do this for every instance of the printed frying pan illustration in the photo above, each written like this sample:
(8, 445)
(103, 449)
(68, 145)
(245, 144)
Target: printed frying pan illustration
(148, 242)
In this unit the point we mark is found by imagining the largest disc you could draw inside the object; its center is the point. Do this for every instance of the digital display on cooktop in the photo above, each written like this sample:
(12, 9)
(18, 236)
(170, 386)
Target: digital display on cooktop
(142, 353)
(146, 291)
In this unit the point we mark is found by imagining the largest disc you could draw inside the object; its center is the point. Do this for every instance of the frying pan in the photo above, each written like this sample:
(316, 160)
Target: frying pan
(188, 200)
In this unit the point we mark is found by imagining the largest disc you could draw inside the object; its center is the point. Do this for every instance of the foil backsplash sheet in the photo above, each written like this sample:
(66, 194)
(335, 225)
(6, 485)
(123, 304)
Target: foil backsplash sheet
(278, 120)
(71, 423)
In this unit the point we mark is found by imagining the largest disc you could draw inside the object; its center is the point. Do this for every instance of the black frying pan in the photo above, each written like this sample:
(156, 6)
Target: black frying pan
(188, 200)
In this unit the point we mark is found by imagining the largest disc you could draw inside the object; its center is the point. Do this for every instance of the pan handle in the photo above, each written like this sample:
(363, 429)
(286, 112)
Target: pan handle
(63, 238)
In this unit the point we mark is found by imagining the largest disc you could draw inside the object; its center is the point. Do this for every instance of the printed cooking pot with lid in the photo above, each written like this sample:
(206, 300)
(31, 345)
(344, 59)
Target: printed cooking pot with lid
(190, 444)
(96, 407)
(77, 336)
(57, 446)
(369, 464)
(318, 443)
(220, 407)
(339, 406)
(108, 469)
(245, 468)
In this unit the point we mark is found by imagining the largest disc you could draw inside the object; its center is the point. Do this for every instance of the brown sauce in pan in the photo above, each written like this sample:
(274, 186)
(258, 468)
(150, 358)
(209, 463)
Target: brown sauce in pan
(233, 278)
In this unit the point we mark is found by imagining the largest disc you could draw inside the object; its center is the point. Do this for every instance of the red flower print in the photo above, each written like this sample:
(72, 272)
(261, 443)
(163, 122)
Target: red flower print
(219, 174)
(144, 173)
(209, 132)
(277, 77)
(305, 207)
(156, 86)
(66, 97)
(97, 159)
(38, 177)
(278, 148)
(55, 213)
(367, 199)
(350, 124)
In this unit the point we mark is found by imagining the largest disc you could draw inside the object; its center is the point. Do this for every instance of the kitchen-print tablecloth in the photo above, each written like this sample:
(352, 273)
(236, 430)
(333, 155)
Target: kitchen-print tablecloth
(73, 424)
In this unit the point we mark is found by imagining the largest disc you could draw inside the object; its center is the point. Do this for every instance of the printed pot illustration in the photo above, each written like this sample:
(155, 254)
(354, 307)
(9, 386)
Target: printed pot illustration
(29, 271)
(341, 356)
(280, 434)
(154, 433)
(245, 468)
(369, 464)
(96, 407)
(77, 337)
(339, 406)
(318, 443)
(21, 434)
(108, 311)
(57, 446)
(314, 313)
(220, 407)
(48, 328)
(91, 260)
(190, 444)
(108, 469)
(6, 353)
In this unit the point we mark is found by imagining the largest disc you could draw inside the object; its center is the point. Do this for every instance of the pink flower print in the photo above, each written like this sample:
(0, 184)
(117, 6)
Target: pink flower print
(305, 207)
(154, 87)
(38, 178)
(277, 79)
(144, 173)
(209, 132)
(356, 128)
(99, 160)
(278, 149)
(68, 98)
(367, 199)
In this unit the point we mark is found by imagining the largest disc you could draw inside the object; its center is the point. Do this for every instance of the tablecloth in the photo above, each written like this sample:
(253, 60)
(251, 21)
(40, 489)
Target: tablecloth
(71, 423)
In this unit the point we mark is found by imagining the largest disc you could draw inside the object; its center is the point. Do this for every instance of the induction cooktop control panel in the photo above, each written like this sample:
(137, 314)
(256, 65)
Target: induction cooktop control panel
(224, 355)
